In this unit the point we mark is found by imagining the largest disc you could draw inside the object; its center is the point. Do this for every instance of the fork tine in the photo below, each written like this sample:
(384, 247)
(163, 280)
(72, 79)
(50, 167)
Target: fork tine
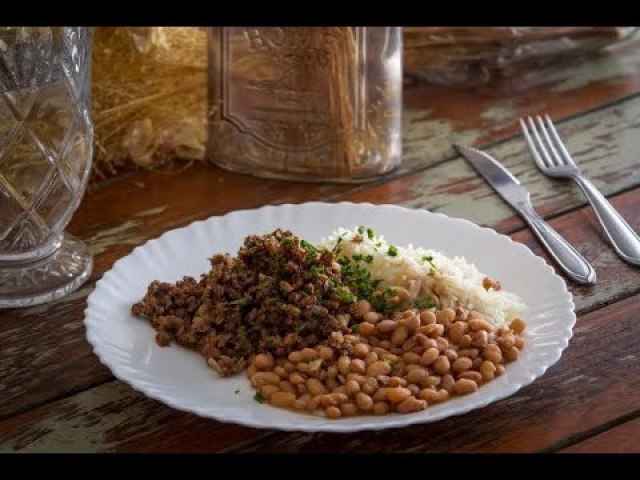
(541, 147)
(532, 148)
(551, 149)
(559, 142)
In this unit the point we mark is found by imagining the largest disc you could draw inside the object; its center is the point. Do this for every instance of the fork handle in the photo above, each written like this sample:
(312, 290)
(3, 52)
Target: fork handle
(622, 237)
(567, 257)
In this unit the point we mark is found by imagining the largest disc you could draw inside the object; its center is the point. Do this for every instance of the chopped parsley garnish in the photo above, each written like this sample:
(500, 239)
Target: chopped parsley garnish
(312, 252)
(313, 272)
(395, 368)
(392, 251)
(357, 278)
(288, 241)
(432, 268)
(361, 230)
(354, 328)
(345, 295)
(362, 258)
(381, 301)
(336, 248)
(237, 391)
(258, 397)
(370, 233)
(424, 303)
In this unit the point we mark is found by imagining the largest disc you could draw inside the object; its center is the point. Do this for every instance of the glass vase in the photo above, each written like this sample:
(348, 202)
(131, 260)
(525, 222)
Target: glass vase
(46, 137)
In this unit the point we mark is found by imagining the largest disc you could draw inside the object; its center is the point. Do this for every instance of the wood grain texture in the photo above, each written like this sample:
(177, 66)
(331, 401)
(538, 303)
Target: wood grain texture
(624, 438)
(553, 395)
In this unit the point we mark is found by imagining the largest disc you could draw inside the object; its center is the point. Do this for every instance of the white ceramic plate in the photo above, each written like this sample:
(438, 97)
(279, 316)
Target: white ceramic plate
(181, 379)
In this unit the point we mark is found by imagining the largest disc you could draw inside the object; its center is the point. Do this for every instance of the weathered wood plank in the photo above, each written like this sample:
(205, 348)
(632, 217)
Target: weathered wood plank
(545, 401)
(624, 438)
(114, 219)
(604, 144)
(114, 417)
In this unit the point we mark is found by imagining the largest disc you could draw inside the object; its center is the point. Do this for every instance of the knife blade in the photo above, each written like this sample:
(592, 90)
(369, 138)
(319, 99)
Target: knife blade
(510, 189)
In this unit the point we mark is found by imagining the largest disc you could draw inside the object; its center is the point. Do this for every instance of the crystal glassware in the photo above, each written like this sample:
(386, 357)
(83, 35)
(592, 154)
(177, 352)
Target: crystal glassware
(46, 138)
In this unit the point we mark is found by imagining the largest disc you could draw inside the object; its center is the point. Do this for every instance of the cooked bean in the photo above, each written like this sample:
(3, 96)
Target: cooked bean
(492, 353)
(366, 329)
(282, 399)
(373, 317)
(475, 365)
(385, 345)
(506, 341)
(411, 404)
(390, 357)
(432, 380)
(465, 386)
(487, 370)
(518, 325)
(301, 402)
(251, 370)
(511, 354)
(443, 395)
(295, 357)
(451, 354)
(344, 365)
(456, 331)
(364, 401)
(325, 353)
(380, 408)
(331, 383)
(441, 365)
(354, 376)
(315, 387)
(268, 390)
(429, 356)
(479, 339)
(433, 330)
(370, 386)
(301, 388)
(447, 383)
(348, 409)
(427, 317)
(297, 378)
(373, 341)
(445, 316)
(462, 364)
(361, 308)
(328, 400)
(386, 326)
(412, 322)
(461, 313)
(332, 371)
(352, 339)
(400, 335)
(442, 344)
(417, 376)
(265, 378)
(333, 412)
(287, 386)
(430, 395)
(499, 370)
(340, 397)
(465, 341)
(426, 342)
(398, 394)
(313, 403)
(397, 382)
(263, 361)
(378, 368)
(471, 375)
(371, 357)
(303, 367)
(382, 380)
(340, 389)
(519, 344)
(358, 366)
(468, 352)
(352, 387)
(415, 389)
(281, 372)
(381, 394)
(410, 358)
(476, 324)
(361, 350)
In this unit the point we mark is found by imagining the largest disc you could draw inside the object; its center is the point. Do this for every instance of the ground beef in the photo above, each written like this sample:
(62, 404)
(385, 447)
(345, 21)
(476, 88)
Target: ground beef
(277, 295)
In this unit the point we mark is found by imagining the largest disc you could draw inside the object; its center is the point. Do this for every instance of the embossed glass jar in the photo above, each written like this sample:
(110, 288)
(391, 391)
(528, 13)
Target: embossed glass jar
(46, 138)
(306, 103)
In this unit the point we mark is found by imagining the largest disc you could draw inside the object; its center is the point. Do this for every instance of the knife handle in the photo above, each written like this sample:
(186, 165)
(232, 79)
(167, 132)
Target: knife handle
(567, 257)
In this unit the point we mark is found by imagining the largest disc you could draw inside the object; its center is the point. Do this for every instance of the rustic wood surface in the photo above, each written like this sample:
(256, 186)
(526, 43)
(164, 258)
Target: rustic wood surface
(56, 396)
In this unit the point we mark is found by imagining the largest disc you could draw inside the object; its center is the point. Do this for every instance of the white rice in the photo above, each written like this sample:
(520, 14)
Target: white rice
(454, 280)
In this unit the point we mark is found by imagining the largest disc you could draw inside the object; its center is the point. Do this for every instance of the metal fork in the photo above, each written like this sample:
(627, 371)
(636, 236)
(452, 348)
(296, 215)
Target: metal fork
(553, 159)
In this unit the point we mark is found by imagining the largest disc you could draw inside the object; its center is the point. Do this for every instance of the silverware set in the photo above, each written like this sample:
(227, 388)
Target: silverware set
(553, 159)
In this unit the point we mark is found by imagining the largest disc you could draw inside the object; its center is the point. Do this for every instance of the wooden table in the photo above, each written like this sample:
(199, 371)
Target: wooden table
(56, 396)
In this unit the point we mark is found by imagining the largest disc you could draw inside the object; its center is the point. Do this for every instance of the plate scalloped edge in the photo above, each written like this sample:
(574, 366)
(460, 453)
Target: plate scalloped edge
(391, 421)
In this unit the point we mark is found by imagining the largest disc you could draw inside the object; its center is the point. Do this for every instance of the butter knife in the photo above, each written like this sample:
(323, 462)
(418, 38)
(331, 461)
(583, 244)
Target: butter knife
(510, 189)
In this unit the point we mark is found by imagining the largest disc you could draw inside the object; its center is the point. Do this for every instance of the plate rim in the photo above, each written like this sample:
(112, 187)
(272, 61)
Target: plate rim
(535, 372)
